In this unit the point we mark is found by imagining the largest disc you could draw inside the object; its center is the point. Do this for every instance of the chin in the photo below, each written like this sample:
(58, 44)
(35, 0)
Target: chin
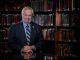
(28, 22)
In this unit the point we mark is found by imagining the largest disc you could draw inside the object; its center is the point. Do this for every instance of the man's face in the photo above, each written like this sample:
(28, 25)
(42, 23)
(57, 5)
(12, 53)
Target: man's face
(27, 15)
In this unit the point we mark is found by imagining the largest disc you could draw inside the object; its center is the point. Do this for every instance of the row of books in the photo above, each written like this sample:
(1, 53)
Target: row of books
(5, 33)
(43, 5)
(43, 20)
(69, 19)
(46, 57)
(14, 6)
(9, 19)
(65, 50)
(48, 34)
(3, 47)
(67, 35)
(1, 35)
(68, 5)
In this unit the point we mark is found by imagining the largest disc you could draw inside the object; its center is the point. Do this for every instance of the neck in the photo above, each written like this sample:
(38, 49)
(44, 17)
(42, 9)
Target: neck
(26, 22)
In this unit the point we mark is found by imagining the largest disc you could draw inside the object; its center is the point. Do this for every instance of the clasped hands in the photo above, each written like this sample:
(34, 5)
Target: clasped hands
(27, 51)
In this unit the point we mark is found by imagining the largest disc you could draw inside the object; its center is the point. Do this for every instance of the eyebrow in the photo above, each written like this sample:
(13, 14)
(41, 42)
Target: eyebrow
(26, 14)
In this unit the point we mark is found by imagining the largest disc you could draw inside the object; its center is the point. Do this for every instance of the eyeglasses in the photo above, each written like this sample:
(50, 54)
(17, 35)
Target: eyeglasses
(27, 15)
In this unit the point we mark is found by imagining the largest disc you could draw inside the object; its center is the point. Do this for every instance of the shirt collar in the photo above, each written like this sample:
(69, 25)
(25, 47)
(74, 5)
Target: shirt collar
(25, 24)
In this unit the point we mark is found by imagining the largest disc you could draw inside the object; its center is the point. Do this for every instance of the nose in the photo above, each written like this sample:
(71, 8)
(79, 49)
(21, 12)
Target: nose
(29, 16)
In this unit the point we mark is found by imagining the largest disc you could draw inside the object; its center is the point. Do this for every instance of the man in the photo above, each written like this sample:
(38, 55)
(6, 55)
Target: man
(20, 41)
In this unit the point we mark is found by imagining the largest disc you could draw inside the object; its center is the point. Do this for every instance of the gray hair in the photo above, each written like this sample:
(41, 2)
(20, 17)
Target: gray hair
(27, 8)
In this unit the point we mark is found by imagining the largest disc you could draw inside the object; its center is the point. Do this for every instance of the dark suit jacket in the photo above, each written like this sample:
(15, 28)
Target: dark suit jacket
(17, 37)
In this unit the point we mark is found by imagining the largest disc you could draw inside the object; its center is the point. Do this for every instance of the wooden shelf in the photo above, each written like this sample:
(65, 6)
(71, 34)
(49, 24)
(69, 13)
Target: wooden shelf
(66, 42)
(69, 27)
(44, 12)
(69, 12)
(10, 12)
(47, 27)
(70, 57)
(19, 12)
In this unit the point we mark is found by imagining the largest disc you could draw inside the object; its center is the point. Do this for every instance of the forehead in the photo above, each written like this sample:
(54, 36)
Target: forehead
(28, 11)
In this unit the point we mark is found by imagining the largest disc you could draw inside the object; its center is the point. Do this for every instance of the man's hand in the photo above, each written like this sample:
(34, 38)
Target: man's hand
(27, 48)
(33, 47)
(27, 51)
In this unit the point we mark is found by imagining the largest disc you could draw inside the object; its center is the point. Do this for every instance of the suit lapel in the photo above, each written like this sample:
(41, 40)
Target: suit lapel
(32, 32)
(22, 31)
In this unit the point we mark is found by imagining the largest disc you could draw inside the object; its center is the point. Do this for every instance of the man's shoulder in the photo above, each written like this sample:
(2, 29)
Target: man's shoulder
(16, 24)
(35, 24)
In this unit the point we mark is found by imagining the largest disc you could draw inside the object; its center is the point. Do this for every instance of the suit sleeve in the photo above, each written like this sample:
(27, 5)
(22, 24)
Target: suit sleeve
(12, 40)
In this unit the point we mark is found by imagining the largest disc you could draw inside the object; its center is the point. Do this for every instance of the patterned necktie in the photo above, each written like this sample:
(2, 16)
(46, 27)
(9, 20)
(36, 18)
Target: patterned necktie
(28, 34)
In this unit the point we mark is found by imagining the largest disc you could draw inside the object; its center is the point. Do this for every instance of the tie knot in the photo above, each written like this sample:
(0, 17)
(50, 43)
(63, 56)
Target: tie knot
(27, 25)
(28, 28)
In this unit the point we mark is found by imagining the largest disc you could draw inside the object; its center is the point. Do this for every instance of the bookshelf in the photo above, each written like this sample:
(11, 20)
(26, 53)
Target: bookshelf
(67, 29)
(60, 24)
(45, 10)
(44, 15)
